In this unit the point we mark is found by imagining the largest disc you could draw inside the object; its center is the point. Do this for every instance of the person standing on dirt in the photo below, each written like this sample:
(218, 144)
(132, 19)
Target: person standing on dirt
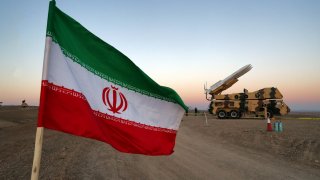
(195, 110)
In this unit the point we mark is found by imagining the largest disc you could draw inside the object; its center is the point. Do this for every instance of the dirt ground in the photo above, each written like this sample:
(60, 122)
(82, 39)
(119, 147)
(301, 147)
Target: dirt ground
(221, 149)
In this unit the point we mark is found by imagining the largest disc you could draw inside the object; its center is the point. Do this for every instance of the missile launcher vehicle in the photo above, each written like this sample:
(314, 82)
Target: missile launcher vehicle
(237, 105)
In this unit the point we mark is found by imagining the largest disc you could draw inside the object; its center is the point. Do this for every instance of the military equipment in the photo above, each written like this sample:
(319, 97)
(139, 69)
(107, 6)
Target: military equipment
(237, 105)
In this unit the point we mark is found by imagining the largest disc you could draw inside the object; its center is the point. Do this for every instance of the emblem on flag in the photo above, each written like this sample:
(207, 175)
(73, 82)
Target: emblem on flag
(116, 94)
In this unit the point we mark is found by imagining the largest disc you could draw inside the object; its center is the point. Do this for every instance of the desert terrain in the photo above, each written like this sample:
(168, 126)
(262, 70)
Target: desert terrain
(218, 149)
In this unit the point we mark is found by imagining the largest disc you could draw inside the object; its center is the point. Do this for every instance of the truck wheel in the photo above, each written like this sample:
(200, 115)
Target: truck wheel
(234, 114)
(222, 114)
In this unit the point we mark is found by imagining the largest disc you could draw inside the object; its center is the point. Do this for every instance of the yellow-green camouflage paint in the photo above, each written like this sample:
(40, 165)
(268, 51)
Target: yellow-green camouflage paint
(250, 102)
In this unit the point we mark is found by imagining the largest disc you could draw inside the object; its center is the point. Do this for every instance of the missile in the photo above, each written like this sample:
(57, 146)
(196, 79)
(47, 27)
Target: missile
(224, 84)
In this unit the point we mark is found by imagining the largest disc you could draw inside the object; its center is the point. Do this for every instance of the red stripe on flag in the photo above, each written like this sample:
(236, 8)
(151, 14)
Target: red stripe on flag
(67, 111)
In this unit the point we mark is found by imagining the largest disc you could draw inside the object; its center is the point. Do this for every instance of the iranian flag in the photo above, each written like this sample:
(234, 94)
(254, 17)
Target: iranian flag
(90, 89)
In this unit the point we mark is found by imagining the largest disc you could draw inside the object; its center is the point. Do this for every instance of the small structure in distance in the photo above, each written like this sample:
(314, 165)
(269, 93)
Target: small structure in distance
(24, 104)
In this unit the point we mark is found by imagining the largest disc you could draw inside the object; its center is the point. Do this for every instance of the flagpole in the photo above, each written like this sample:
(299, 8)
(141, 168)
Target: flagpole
(37, 154)
(39, 133)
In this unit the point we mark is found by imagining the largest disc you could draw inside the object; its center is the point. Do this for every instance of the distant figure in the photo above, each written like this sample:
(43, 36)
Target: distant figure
(24, 104)
(195, 110)
(187, 112)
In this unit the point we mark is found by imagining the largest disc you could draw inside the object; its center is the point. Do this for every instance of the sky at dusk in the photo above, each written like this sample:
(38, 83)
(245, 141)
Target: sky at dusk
(180, 44)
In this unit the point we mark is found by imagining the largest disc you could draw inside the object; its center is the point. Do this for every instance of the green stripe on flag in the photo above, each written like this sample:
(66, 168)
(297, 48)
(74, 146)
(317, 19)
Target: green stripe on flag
(102, 59)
